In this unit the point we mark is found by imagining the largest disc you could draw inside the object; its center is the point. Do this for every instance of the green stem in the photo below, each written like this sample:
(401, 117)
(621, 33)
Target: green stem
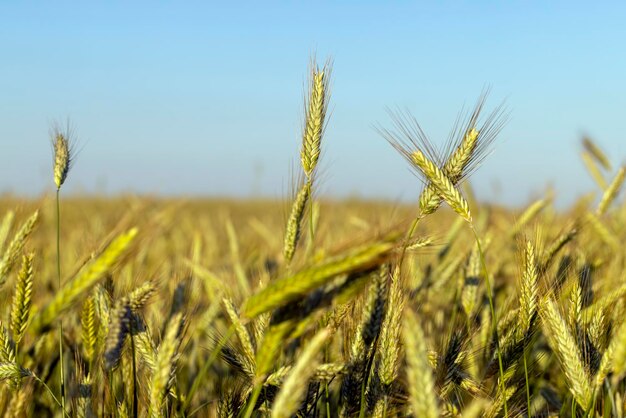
(253, 399)
(61, 365)
(527, 383)
(34, 376)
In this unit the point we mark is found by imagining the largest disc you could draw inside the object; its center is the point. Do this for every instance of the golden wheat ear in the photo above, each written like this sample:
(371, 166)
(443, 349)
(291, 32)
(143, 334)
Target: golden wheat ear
(594, 150)
(293, 389)
(63, 145)
(420, 380)
(468, 144)
(564, 346)
(20, 311)
(445, 188)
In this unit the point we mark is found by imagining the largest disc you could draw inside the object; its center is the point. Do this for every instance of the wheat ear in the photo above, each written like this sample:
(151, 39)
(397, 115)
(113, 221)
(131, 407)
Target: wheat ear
(419, 374)
(442, 183)
(564, 346)
(20, 310)
(611, 192)
(529, 289)
(289, 397)
(84, 280)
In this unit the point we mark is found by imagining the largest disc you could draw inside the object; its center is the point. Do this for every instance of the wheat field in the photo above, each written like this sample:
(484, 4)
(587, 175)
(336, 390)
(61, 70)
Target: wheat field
(308, 307)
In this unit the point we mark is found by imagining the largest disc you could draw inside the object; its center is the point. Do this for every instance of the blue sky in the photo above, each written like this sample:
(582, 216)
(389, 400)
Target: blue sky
(206, 99)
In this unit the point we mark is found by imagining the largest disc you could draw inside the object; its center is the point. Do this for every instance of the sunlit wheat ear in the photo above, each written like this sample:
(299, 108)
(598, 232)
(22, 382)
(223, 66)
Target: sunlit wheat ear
(292, 391)
(388, 349)
(611, 192)
(7, 351)
(119, 328)
(419, 374)
(529, 289)
(16, 246)
(468, 144)
(87, 277)
(614, 358)
(471, 281)
(165, 364)
(289, 288)
(564, 346)
(5, 227)
(315, 118)
(444, 186)
(294, 223)
(20, 311)
(89, 328)
(594, 150)
(242, 334)
(63, 145)
(593, 170)
(11, 371)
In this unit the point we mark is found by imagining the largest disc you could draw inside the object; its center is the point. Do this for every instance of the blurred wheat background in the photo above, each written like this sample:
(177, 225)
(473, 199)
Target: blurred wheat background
(430, 293)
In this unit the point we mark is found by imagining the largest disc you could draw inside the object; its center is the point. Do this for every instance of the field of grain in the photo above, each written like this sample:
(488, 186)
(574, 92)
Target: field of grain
(133, 307)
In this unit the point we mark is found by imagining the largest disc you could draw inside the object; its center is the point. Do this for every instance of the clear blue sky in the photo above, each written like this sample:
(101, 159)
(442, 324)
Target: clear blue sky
(199, 98)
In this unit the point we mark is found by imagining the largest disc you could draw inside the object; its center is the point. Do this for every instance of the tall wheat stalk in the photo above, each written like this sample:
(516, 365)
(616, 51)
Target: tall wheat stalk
(62, 163)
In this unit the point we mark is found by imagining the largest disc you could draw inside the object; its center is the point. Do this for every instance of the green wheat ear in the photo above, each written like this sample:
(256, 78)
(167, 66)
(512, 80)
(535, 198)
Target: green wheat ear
(20, 311)
(287, 289)
(86, 278)
(16, 246)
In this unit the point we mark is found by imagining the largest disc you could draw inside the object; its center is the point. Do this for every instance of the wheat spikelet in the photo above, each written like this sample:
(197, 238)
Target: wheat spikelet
(20, 310)
(529, 289)
(270, 347)
(5, 227)
(89, 328)
(292, 390)
(11, 371)
(140, 296)
(288, 288)
(16, 246)
(294, 223)
(324, 373)
(574, 316)
(144, 345)
(595, 151)
(607, 236)
(453, 169)
(611, 192)
(471, 282)
(388, 349)
(444, 186)
(84, 280)
(7, 352)
(119, 328)
(63, 146)
(467, 146)
(84, 397)
(563, 344)
(419, 374)
(165, 364)
(315, 120)
(592, 169)
(242, 334)
(615, 356)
